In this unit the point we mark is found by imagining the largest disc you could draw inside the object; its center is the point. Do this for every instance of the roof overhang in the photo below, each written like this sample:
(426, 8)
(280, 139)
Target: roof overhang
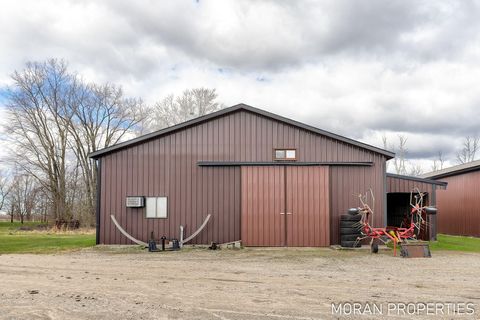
(418, 179)
(455, 170)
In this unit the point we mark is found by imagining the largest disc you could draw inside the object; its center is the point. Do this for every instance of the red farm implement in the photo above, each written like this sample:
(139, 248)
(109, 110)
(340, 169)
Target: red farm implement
(411, 226)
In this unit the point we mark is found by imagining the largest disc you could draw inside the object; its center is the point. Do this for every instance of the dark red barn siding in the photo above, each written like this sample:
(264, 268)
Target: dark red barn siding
(406, 185)
(347, 183)
(460, 205)
(168, 166)
(285, 205)
(263, 201)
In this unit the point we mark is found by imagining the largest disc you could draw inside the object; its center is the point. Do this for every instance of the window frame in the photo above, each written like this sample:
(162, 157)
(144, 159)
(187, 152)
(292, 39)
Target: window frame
(285, 150)
(156, 207)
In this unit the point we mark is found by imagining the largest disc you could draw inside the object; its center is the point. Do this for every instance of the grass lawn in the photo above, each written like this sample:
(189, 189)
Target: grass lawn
(456, 243)
(13, 240)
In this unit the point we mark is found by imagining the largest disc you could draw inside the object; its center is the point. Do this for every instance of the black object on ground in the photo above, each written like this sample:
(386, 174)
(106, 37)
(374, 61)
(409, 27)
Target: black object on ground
(152, 246)
(163, 242)
(349, 228)
(175, 244)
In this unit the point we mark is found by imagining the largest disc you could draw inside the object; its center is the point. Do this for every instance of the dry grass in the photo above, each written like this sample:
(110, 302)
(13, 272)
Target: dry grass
(55, 231)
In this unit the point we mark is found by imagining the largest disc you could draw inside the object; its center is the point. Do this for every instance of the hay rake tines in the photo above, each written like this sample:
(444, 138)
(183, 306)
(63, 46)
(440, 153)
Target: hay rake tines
(394, 234)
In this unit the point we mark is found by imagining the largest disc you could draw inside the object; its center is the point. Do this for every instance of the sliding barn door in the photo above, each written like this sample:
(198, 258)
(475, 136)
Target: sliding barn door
(285, 206)
(308, 223)
(263, 202)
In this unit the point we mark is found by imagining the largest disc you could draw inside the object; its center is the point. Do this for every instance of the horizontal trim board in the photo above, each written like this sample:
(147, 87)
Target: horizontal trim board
(280, 163)
(429, 181)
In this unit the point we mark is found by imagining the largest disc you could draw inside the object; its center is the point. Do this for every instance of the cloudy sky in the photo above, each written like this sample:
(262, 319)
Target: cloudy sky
(358, 68)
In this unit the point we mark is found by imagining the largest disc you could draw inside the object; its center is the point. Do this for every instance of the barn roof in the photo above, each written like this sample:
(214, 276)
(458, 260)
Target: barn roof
(99, 153)
(417, 179)
(453, 171)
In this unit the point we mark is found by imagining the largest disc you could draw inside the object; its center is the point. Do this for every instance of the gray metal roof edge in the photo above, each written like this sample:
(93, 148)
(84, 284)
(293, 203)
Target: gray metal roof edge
(97, 154)
(281, 163)
(453, 171)
(419, 179)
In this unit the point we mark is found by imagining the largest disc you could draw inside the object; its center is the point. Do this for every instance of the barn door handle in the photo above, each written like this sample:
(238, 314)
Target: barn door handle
(289, 213)
(282, 213)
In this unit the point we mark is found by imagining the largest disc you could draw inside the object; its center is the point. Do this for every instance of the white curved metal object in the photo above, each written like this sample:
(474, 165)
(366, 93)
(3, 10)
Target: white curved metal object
(126, 234)
(195, 233)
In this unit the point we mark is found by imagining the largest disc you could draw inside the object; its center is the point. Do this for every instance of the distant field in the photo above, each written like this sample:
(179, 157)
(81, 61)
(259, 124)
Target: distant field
(13, 240)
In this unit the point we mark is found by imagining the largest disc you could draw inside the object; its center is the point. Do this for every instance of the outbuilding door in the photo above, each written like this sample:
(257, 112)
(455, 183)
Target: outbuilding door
(285, 206)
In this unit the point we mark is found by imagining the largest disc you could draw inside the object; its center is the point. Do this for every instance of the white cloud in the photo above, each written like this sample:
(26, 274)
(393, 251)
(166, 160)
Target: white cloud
(355, 68)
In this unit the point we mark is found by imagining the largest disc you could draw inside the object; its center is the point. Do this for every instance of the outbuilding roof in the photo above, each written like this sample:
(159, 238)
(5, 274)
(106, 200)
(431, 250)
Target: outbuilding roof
(453, 171)
(99, 153)
(418, 179)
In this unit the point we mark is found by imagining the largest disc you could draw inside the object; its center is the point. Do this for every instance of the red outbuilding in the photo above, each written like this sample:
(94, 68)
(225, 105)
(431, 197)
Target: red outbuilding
(264, 179)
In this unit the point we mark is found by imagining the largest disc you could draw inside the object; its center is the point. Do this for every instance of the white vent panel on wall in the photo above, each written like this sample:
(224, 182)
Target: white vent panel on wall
(135, 202)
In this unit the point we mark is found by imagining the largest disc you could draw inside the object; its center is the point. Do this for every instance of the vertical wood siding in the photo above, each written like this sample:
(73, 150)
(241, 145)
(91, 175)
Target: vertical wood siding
(459, 205)
(395, 184)
(307, 211)
(285, 206)
(263, 199)
(347, 182)
(167, 166)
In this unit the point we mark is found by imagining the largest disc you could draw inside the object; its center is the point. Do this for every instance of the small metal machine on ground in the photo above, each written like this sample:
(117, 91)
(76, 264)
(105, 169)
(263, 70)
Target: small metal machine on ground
(417, 249)
(173, 244)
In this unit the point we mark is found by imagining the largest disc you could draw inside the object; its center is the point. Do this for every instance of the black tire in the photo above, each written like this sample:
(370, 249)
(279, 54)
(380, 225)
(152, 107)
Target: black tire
(374, 248)
(347, 217)
(345, 231)
(350, 237)
(350, 244)
(349, 224)
(352, 211)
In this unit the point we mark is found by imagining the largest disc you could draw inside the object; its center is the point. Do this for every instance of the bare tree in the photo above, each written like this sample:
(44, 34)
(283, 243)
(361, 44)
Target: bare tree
(191, 104)
(386, 147)
(38, 107)
(23, 196)
(439, 162)
(5, 188)
(101, 118)
(469, 149)
(415, 170)
(56, 121)
(399, 162)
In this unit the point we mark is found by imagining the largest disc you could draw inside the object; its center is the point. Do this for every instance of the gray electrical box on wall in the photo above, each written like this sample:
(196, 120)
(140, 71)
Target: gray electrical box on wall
(135, 202)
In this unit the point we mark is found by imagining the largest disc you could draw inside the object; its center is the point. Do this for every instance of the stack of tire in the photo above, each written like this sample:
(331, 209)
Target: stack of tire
(350, 228)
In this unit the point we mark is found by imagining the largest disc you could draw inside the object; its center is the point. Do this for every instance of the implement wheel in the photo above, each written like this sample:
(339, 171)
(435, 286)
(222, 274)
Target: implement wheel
(374, 247)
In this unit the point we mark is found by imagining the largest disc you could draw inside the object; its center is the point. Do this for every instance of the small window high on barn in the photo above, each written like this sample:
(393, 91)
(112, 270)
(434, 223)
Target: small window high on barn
(285, 154)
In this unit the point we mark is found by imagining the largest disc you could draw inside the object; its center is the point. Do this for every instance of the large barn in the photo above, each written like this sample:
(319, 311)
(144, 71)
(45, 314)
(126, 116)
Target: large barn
(265, 179)
(460, 204)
